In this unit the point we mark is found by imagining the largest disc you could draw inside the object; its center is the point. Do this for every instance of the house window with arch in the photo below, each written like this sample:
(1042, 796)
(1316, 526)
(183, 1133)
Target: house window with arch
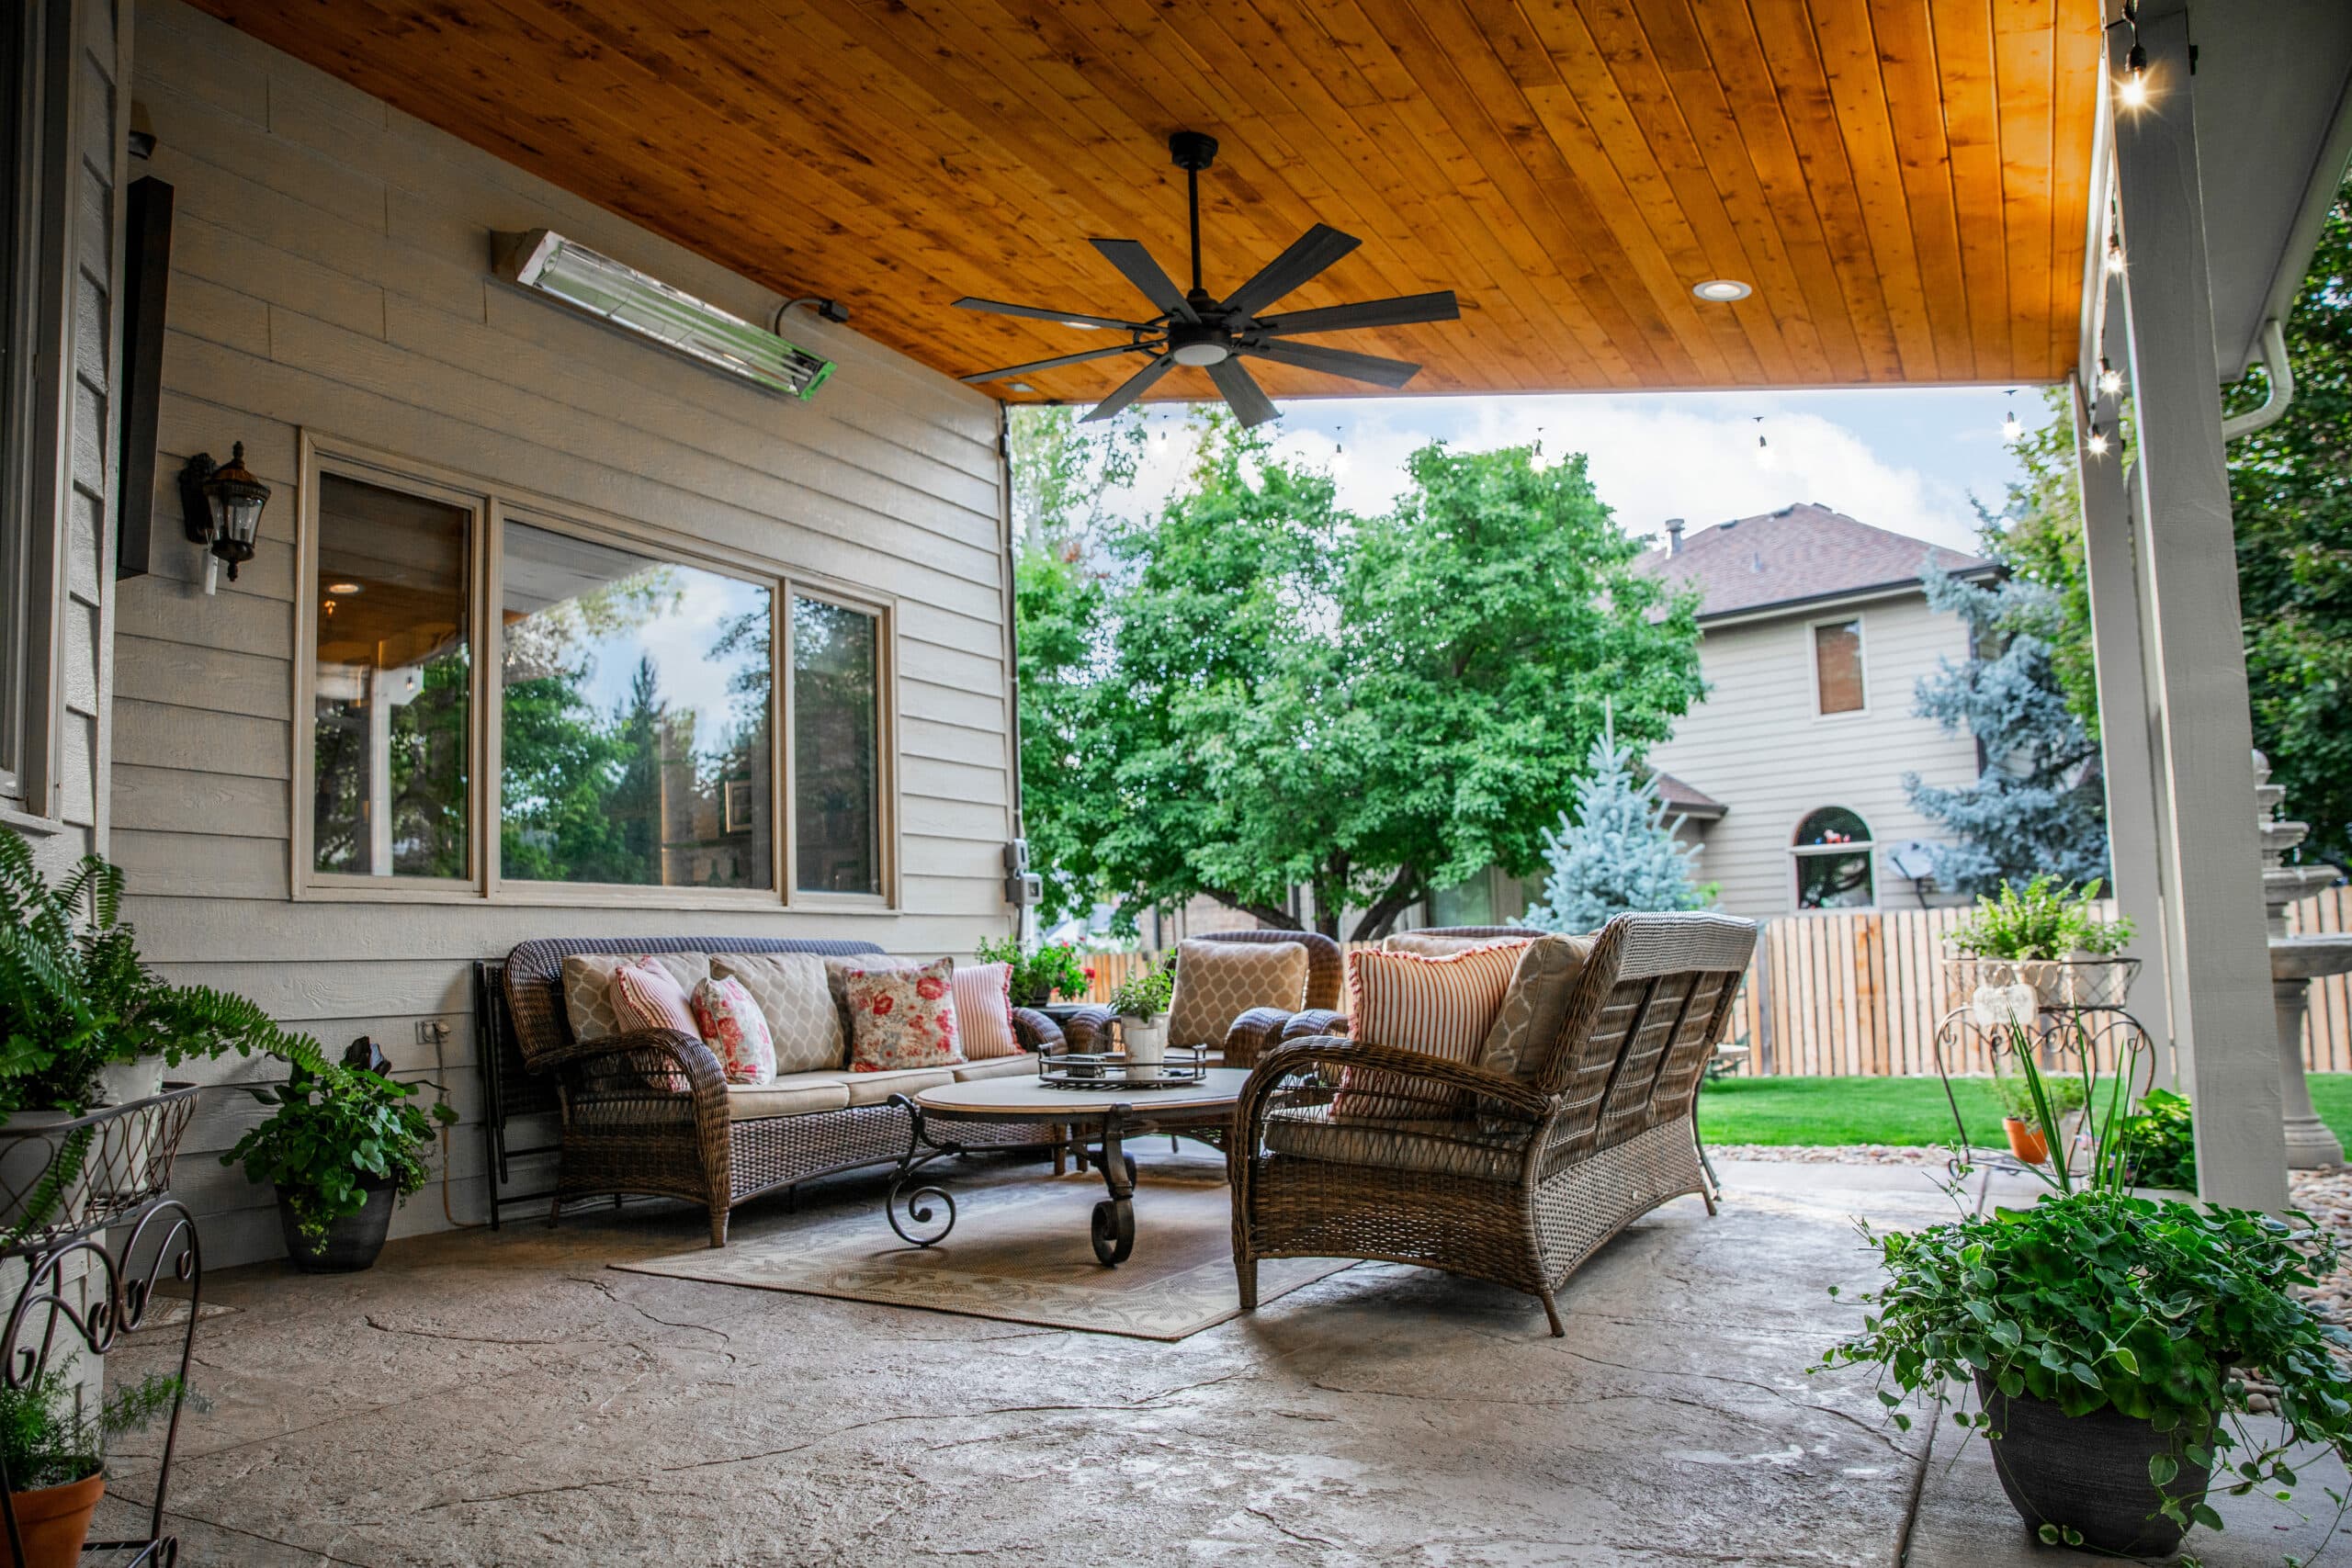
(1833, 861)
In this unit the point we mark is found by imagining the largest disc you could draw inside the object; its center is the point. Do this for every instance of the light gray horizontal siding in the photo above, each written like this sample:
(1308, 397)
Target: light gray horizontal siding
(331, 273)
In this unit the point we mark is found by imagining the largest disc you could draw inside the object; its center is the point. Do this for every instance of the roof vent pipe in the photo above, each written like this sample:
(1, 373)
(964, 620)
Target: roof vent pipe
(1674, 535)
(2281, 377)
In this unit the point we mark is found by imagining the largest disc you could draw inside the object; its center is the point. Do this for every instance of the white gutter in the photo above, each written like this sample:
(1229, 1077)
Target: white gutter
(2281, 377)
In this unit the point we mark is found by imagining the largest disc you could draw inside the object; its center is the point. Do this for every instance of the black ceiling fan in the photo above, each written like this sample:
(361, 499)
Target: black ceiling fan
(1193, 329)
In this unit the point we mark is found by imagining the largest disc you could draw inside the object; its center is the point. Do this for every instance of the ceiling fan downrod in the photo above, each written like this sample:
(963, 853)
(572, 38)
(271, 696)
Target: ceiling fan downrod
(1192, 150)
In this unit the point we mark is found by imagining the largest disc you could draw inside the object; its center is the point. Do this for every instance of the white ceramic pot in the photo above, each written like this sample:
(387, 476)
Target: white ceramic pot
(1146, 1040)
(119, 1083)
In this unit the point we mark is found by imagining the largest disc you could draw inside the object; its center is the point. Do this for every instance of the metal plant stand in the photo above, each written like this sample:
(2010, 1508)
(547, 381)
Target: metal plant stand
(65, 1188)
(2059, 1035)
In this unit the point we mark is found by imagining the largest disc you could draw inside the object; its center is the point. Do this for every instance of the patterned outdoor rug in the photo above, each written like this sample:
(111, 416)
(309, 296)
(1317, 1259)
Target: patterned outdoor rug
(1020, 1253)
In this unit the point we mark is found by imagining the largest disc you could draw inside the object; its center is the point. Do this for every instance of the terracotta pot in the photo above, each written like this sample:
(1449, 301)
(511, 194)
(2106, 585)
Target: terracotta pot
(2026, 1141)
(2088, 1473)
(54, 1521)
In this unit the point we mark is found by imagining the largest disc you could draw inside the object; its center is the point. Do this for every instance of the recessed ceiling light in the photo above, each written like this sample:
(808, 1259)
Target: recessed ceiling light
(345, 589)
(1722, 290)
(1023, 387)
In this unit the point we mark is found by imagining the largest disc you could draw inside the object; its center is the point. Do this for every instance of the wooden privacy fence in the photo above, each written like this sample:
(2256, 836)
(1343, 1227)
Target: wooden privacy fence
(1860, 995)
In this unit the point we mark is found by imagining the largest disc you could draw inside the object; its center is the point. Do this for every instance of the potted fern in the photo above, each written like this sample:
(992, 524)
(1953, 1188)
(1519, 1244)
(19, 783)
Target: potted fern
(55, 1457)
(2045, 942)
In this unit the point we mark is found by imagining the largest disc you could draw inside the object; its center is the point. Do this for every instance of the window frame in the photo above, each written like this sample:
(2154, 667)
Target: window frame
(493, 505)
(1798, 853)
(1861, 664)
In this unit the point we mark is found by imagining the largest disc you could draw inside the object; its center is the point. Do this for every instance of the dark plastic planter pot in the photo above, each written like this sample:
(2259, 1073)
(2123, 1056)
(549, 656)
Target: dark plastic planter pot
(352, 1242)
(2088, 1473)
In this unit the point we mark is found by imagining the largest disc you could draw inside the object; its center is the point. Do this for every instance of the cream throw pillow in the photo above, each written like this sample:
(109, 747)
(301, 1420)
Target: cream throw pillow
(791, 994)
(1519, 1045)
(1216, 982)
(1430, 946)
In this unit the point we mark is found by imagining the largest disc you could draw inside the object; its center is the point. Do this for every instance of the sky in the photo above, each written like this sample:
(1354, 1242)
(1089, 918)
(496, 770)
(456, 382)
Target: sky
(1905, 458)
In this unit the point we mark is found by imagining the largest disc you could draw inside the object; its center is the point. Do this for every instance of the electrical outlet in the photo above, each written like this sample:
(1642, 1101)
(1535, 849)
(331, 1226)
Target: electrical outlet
(432, 1032)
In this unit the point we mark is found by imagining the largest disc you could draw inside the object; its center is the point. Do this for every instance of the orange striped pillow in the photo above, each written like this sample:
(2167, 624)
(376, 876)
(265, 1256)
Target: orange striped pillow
(1441, 1007)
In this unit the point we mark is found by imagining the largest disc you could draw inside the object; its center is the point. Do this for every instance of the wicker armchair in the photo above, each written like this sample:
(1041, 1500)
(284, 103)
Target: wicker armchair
(627, 1128)
(1537, 1169)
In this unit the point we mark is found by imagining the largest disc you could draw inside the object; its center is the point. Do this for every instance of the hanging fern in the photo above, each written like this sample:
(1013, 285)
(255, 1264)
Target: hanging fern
(75, 995)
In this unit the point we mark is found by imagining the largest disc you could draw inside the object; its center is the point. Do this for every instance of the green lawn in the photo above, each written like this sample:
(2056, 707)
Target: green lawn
(1896, 1111)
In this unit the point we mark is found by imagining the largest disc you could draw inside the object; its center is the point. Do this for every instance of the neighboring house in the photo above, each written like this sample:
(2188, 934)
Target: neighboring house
(1815, 630)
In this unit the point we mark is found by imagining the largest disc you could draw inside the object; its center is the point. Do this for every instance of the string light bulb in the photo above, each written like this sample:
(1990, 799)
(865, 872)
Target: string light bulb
(2110, 379)
(2132, 91)
(2114, 253)
(2097, 442)
(2010, 429)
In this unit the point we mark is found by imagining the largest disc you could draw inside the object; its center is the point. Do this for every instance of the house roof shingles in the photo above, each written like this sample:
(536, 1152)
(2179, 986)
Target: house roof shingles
(1797, 555)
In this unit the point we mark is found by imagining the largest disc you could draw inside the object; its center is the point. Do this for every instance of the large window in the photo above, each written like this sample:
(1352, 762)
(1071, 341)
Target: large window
(392, 685)
(1833, 861)
(634, 695)
(836, 719)
(1838, 666)
(508, 699)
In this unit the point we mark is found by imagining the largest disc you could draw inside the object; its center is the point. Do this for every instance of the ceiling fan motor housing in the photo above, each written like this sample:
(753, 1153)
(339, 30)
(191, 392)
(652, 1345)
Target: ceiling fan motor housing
(1192, 150)
(1199, 343)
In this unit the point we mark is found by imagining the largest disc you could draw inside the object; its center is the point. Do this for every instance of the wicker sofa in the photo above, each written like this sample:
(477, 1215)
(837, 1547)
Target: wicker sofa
(1537, 1169)
(624, 1133)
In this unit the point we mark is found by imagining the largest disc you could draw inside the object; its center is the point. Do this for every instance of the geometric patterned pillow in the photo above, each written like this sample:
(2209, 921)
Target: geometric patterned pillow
(731, 1026)
(1520, 1046)
(588, 981)
(791, 993)
(1216, 982)
(1440, 1007)
(902, 1018)
(984, 1011)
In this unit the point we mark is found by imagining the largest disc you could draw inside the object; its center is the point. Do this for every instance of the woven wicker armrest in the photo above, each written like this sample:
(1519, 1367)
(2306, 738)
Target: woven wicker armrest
(1087, 1028)
(631, 1080)
(1037, 1032)
(1314, 1021)
(1293, 1058)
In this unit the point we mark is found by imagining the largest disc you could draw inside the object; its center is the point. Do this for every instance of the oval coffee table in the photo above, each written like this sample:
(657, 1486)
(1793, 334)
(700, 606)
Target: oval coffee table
(1108, 1116)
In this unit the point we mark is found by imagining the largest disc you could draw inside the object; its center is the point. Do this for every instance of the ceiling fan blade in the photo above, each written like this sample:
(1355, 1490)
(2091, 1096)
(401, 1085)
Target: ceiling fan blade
(1054, 363)
(1131, 388)
(1132, 259)
(1337, 362)
(1249, 400)
(1308, 254)
(1402, 312)
(1040, 314)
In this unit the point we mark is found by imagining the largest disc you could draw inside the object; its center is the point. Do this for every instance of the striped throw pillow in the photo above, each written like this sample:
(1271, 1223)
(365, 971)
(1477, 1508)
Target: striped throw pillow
(645, 995)
(1440, 1007)
(984, 1011)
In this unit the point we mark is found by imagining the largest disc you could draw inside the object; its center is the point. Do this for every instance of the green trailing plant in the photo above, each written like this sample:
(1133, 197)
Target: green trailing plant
(46, 1440)
(2160, 1144)
(336, 1131)
(1038, 978)
(2044, 919)
(75, 995)
(1145, 993)
(2065, 1095)
(2092, 1298)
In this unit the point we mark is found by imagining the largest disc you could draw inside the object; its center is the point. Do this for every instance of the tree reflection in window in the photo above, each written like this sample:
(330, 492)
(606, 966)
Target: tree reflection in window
(635, 733)
(836, 735)
(1833, 861)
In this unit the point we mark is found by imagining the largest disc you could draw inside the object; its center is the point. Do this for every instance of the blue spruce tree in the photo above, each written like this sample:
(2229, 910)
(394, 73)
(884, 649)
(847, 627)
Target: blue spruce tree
(1617, 853)
(2038, 805)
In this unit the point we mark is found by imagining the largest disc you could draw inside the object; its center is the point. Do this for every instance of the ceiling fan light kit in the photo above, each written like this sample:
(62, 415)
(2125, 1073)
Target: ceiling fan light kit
(1193, 328)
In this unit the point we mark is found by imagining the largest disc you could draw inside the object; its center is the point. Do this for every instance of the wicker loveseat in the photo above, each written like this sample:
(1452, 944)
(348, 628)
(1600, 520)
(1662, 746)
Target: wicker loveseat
(625, 1131)
(1537, 1169)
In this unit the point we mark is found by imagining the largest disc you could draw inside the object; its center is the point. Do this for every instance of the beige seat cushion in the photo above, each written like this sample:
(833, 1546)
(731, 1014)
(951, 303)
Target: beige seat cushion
(795, 996)
(873, 1089)
(1430, 946)
(1444, 1147)
(997, 1067)
(588, 978)
(1520, 1042)
(1216, 982)
(799, 1095)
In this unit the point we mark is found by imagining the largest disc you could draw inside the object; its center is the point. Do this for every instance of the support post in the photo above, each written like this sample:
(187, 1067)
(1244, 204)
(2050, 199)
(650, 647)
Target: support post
(2223, 1026)
(2127, 741)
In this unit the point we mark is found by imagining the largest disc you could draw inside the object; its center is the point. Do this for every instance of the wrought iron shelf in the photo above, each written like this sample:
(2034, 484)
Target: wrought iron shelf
(66, 1188)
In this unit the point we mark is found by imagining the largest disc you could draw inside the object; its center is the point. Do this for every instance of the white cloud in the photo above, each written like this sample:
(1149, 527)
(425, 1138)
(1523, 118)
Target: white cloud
(1651, 457)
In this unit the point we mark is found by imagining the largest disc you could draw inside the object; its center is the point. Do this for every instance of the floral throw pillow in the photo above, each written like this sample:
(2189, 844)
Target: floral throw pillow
(902, 1018)
(736, 1031)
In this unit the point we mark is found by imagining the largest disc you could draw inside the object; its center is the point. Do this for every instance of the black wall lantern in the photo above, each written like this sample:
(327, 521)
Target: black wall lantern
(220, 507)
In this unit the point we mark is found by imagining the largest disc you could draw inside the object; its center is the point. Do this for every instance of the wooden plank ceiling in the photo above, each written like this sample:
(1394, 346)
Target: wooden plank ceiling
(1902, 181)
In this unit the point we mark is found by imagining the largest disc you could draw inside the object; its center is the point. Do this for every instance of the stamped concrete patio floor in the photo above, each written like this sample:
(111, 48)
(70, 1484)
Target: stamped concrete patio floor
(507, 1399)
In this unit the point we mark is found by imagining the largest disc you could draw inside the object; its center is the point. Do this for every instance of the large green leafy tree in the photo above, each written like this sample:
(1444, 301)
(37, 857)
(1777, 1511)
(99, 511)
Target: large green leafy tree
(1372, 707)
(2291, 493)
